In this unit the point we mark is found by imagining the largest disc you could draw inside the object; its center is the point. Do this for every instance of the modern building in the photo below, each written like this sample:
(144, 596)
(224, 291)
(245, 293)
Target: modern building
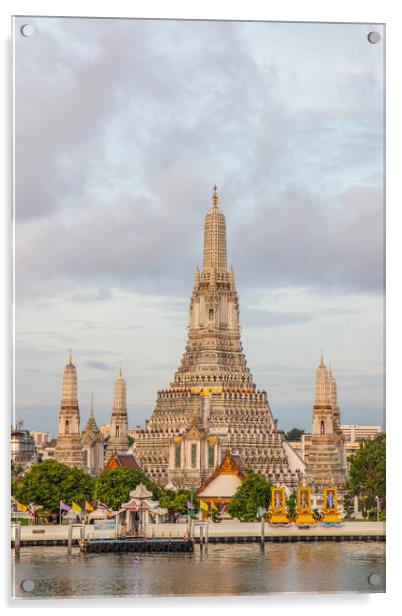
(354, 433)
(212, 405)
(68, 449)
(41, 438)
(48, 451)
(23, 448)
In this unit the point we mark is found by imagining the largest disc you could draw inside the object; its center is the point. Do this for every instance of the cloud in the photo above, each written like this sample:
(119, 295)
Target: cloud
(256, 317)
(114, 173)
(98, 365)
(122, 128)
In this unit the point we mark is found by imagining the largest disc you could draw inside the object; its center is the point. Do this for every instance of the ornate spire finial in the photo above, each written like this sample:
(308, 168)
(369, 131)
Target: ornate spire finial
(120, 372)
(70, 357)
(215, 198)
(322, 358)
(91, 412)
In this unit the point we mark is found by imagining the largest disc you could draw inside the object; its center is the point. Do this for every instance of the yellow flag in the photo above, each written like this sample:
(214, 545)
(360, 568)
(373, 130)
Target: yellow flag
(213, 506)
(21, 507)
(88, 506)
(203, 506)
(76, 507)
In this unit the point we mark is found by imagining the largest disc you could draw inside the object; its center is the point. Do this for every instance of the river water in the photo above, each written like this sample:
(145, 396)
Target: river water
(221, 569)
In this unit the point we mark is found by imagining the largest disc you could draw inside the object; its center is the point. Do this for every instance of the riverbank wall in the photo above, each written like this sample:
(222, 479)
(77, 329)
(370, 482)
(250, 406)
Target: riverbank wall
(224, 532)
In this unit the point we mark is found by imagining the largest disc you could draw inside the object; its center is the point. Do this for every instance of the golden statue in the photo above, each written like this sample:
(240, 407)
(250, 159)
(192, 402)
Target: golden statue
(277, 508)
(330, 510)
(304, 513)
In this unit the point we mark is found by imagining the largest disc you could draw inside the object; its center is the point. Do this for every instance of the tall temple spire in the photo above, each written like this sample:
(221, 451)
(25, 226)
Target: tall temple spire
(68, 448)
(118, 440)
(215, 238)
(119, 397)
(212, 405)
(324, 454)
(69, 395)
(215, 359)
(322, 385)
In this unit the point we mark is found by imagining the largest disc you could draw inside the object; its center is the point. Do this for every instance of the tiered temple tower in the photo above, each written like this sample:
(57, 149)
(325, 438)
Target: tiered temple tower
(92, 444)
(68, 448)
(324, 449)
(212, 405)
(118, 441)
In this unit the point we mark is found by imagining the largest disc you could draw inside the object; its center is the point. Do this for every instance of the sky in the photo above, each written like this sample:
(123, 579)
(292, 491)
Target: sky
(122, 127)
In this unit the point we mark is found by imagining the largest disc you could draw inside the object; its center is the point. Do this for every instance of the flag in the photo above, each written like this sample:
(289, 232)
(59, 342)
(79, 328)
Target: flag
(102, 506)
(190, 505)
(203, 506)
(31, 510)
(21, 507)
(76, 507)
(88, 506)
(64, 507)
(213, 506)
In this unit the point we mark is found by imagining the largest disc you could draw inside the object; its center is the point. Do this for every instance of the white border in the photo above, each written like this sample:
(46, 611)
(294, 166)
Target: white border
(381, 11)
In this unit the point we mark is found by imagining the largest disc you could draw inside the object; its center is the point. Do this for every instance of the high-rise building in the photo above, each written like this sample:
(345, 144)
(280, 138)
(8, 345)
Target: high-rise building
(212, 406)
(118, 440)
(324, 449)
(68, 448)
(92, 444)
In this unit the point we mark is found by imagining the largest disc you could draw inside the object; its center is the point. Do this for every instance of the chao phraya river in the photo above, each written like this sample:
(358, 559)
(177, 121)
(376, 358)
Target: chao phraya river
(221, 569)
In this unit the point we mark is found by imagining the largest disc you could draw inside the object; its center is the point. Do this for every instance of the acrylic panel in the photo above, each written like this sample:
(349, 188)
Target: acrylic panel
(199, 295)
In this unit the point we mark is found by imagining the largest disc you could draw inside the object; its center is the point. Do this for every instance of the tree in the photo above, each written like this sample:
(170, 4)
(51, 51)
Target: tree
(294, 434)
(291, 503)
(49, 482)
(113, 487)
(254, 492)
(367, 472)
(175, 502)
